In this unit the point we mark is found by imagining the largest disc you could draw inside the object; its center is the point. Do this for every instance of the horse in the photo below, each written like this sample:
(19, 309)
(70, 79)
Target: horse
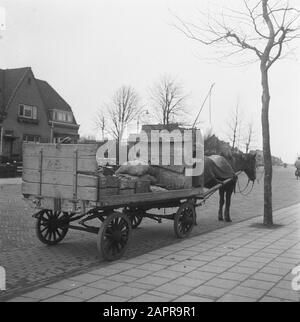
(218, 168)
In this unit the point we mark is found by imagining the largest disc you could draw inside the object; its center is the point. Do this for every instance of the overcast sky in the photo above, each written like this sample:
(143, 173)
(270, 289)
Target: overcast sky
(88, 48)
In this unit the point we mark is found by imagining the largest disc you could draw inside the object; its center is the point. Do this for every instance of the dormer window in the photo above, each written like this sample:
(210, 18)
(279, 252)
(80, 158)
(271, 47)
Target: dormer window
(62, 116)
(28, 111)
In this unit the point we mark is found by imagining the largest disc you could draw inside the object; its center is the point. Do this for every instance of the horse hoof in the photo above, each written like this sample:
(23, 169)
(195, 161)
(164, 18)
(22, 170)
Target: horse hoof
(220, 219)
(228, 220)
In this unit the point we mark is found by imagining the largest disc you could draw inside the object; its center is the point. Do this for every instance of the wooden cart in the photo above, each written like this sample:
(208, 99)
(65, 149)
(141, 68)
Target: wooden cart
(61, 181)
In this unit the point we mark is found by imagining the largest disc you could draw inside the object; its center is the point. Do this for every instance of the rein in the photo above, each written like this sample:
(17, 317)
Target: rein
(242, 191)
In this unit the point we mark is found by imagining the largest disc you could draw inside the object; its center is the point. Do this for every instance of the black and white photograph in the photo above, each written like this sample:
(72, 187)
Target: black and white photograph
(149, 153)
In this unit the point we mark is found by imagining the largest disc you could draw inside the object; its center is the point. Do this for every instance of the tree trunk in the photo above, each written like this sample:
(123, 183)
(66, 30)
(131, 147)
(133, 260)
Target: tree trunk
(268, 215)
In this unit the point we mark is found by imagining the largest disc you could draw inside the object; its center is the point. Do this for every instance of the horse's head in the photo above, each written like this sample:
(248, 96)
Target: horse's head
(246, 162)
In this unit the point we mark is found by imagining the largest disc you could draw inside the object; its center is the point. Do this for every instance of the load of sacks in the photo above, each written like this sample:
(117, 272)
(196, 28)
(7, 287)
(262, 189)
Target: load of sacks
(140, 171)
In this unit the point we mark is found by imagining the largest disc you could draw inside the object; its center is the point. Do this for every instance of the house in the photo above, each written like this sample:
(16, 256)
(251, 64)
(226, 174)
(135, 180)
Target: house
(31, 111)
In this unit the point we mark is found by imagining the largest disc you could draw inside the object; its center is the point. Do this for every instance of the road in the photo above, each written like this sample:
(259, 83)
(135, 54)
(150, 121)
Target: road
(29, 263)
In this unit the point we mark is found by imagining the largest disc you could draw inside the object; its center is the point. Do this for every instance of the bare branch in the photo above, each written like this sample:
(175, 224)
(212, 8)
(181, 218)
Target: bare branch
(168, 99)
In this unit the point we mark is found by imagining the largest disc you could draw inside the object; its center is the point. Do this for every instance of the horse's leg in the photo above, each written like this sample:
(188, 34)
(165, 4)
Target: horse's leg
(221, 203)
(229, 192)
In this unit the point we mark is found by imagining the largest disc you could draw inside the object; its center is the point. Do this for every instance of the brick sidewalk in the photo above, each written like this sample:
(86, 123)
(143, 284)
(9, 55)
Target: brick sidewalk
(242, 262)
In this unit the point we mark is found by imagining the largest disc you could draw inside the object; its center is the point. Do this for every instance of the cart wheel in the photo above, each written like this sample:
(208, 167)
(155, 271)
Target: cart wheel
(113, 236)
(134, 216)
(52, 227)
(184, 220)
(135, 220)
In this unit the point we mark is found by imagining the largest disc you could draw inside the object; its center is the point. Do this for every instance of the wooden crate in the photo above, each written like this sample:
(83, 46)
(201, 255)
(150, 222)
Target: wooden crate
(62, 171)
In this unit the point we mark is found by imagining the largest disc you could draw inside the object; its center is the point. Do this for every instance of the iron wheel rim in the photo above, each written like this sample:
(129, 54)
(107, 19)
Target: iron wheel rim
(114, 236)
(184, 220)
(51, 227)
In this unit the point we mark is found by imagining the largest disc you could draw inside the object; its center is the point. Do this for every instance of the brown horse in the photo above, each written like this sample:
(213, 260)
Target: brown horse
(220, 168)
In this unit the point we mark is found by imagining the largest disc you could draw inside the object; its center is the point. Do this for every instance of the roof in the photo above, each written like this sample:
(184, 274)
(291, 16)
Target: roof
(51, 98)
(11, 78)
(160, 127)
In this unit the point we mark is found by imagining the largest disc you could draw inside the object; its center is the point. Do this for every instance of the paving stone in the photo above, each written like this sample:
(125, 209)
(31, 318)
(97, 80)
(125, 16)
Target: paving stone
(173, 288)
(85, 292)
(152, 267)
(168, 274)
(117, 267)
(203, 276)
(271, 299)
(262, 285)
(148, 298)
(192, 298)
(126, 291)
(194, 263)
(105, 284)
(181, 268)
(243, 270)
(266, 277)
(212, 269)
(153, 280)
(289, 295)
(135, 272)
(251, 264)
(22, 299)
(168, 296)
(186, 281)
(229, 297)
(209, 291)
(233, 276)
(42, 293)
(222, 283)
(107, 298)
(287, 285)
(65, 285)
(63, 298)
(248, 292)
(86, 278)
(122, 278)
(142, 286)
(105, 271)
(275, 270)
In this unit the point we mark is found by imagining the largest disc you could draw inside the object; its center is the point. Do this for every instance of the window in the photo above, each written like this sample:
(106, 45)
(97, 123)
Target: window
(62, 116)
(31, 138)
(28, 111)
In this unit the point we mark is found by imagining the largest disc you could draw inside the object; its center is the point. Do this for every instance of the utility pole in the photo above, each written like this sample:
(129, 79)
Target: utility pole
(202, 106)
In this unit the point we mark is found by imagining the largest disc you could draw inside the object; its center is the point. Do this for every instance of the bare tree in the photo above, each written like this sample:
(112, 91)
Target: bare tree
(100, 123)
(264, 28)
(249, 136)
(169, 100)
(122, 110)
(234, 128)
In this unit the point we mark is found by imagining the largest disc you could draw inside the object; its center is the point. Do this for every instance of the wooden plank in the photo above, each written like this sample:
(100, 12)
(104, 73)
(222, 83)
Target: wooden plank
(126, 192)
(151, 197)
(56, 177)
(60, 150)
(108, 182)
(108, 192)
(59, 191)
(60, 164)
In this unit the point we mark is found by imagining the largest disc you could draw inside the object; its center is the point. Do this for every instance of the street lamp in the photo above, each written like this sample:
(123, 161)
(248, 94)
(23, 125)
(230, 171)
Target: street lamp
(145, 112)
